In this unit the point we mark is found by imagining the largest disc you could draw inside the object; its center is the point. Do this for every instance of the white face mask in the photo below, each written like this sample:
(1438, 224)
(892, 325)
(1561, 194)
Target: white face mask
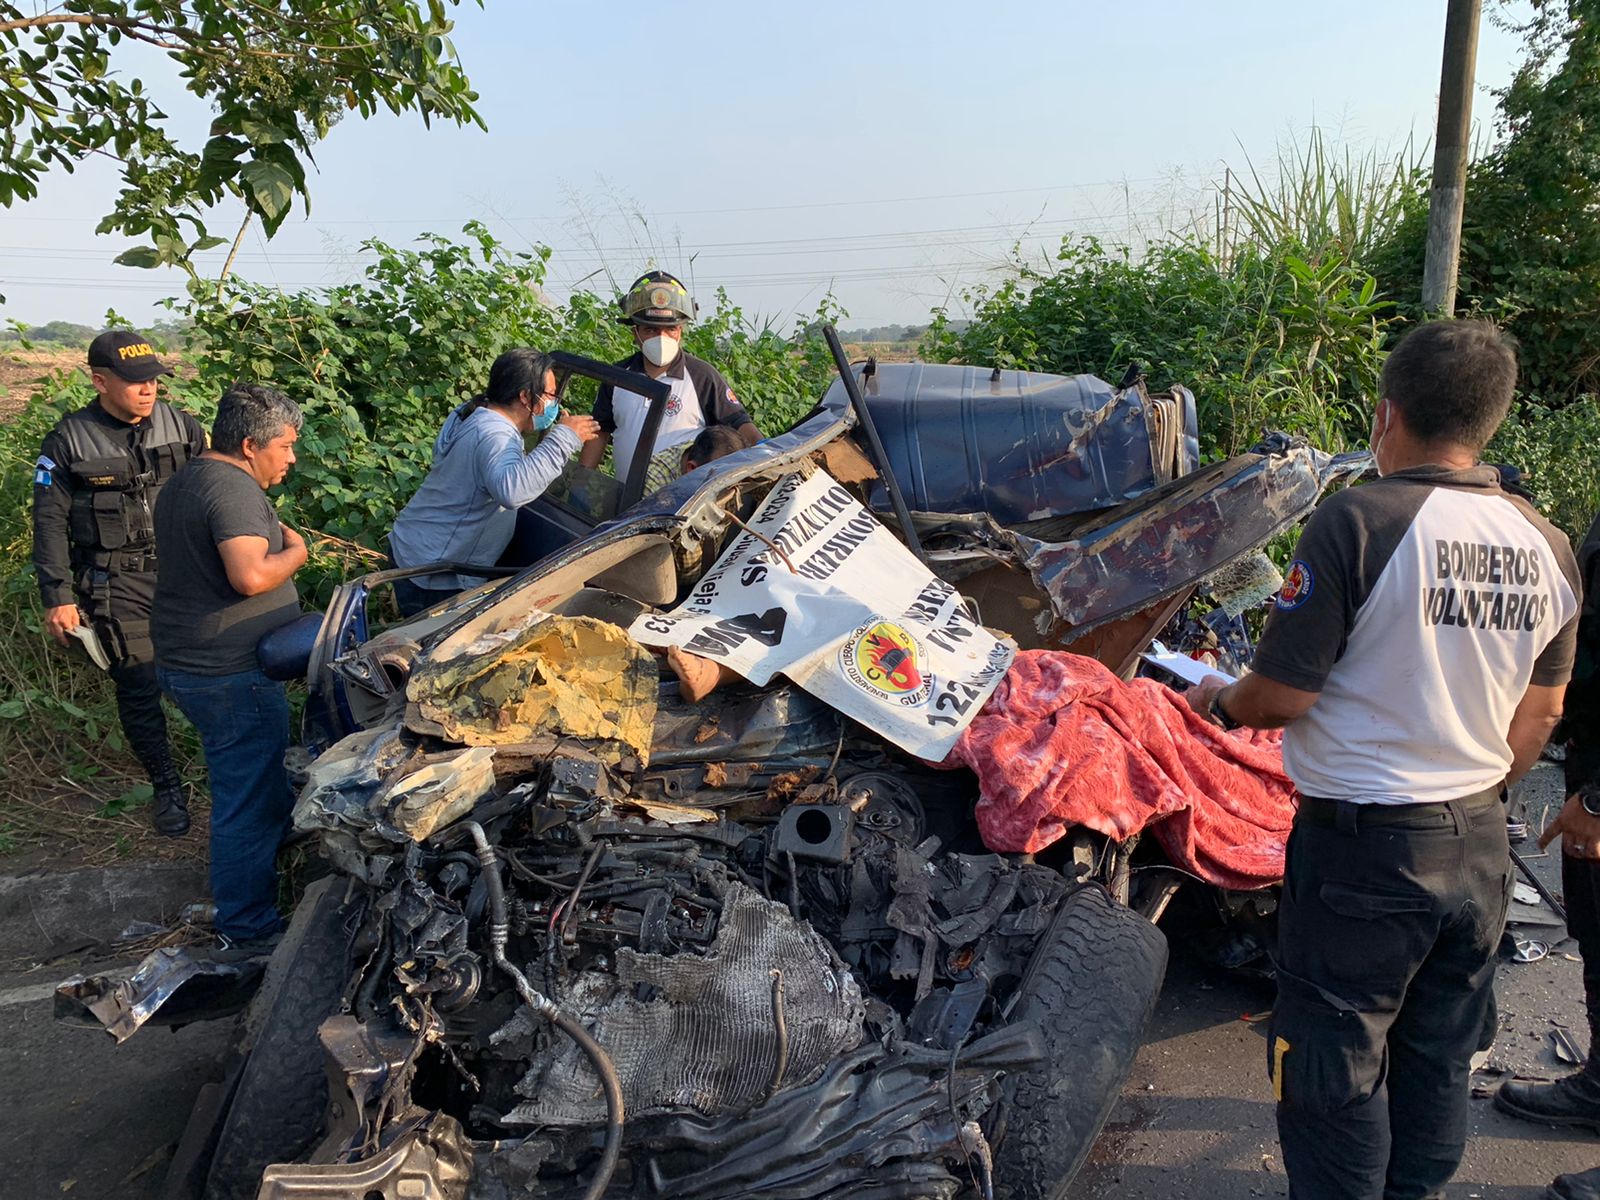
(660, 350)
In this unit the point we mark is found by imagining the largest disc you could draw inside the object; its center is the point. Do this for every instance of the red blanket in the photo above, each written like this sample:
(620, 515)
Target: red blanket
(1064, 742)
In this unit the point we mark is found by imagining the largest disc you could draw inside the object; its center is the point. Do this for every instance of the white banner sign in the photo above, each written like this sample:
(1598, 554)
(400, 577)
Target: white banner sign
(858, 621)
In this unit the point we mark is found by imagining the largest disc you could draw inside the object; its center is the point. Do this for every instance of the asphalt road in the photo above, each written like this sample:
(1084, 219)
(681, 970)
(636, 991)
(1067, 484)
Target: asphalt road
(1195, 1121)
(90, 1119)
(87, 1119)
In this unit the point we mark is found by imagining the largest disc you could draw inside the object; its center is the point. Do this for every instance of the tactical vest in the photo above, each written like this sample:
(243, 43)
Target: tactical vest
(114, 486)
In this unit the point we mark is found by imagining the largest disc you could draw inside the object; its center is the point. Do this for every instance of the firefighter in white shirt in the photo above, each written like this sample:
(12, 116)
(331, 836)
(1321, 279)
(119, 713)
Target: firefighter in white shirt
(657, 307)
(1416, 659)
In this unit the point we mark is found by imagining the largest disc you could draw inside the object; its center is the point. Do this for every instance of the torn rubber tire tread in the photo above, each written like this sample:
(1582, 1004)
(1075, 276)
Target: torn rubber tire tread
(279, 1107)
(1091, 989)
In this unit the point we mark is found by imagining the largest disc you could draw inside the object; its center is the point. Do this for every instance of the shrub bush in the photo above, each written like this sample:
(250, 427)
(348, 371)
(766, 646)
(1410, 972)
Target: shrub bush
(1263, 339)
(376, 366)
(1554, 447)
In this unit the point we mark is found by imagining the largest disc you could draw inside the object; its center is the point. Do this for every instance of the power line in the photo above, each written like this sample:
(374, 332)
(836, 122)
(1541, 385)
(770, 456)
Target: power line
(689, 212)
(1065, 187)
(908, 271)
(344, 263)
(820, 245)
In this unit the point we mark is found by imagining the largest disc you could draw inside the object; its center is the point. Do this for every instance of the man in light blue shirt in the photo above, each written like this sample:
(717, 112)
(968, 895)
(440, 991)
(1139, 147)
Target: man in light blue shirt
(465, 510)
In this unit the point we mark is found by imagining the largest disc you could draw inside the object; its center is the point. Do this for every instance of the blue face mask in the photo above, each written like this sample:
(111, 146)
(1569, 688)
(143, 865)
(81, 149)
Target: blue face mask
(546, 416)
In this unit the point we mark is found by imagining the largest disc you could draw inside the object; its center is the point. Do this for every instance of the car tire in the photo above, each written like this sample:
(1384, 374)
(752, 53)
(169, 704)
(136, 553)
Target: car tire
(280, 1101)
(1091, 986)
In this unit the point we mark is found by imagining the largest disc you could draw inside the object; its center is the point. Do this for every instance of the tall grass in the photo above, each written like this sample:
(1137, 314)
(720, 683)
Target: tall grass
(1326, 200)
(1275, 318)
(1272, 337)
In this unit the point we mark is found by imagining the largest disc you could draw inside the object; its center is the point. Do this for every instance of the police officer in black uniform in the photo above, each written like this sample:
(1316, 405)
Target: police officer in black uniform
(1575, 1099)
(94, 552)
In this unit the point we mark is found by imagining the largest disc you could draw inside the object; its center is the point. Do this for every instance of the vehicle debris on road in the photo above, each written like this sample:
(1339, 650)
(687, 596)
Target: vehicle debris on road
(591, 927)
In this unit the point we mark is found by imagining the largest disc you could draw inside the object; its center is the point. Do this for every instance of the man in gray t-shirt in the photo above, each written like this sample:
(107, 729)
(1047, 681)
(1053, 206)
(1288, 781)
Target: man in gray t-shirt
(226, 580)
(202, 623)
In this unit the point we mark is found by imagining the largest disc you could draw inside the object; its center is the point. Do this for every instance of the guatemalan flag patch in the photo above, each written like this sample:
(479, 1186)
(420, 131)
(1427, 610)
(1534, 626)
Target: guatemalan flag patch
(42, 476)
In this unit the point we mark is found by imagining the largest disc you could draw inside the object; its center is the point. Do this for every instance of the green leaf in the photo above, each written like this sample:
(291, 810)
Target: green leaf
(139, 256)
(10, 710)
(139, 793)
(223, 149)
(261, 133)
(271, 187)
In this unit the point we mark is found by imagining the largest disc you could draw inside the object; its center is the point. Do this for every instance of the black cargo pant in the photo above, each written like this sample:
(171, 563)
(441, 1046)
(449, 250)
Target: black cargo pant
(1580, 887)
(1387, 936)
(118, 608)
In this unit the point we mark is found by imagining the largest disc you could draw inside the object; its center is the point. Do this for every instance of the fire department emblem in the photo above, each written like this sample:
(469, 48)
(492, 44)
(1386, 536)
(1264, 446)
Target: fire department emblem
(1297, 585)
(882, 658)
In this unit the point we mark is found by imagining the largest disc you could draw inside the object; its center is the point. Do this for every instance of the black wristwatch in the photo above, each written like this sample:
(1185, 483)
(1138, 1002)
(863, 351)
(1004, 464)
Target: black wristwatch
(1222, 717)
(1589, 797)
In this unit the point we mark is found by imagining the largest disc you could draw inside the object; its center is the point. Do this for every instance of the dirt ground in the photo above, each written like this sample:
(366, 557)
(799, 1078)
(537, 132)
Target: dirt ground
(21, 369)
(62, 829)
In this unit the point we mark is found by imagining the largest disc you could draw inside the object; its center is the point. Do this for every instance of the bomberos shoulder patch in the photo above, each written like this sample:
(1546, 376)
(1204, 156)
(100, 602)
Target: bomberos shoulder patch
(1298, 582)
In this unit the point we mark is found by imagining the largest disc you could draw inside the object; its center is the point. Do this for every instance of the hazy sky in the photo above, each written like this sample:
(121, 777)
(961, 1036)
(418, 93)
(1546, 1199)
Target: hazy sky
(890, 152)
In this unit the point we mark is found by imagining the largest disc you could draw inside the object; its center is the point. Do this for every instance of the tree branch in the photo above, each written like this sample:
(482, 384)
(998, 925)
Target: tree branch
(191, 40)
(139, 29)
(232, 254)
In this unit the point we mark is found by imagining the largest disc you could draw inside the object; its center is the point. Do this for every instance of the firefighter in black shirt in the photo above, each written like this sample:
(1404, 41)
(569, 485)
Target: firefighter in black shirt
(94, 493)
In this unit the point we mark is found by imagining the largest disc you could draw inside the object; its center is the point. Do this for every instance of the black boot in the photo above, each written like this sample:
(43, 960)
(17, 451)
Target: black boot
(1584, 1185)
(169, 808)
(1573, 1100)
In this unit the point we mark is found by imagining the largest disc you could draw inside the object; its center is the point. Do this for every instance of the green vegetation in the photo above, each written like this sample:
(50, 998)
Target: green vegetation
(884, 333)
(1263, 337)
(53, 333)
(1279, 321)
(377, 365)
(69, 334)
(276, 77)
(1555, 447)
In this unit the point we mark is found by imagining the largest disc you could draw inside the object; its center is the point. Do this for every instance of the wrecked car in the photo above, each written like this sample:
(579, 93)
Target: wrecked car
(587, 935)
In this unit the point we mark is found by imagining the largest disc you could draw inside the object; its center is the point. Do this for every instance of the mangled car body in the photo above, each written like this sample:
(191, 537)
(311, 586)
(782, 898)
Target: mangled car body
(586, 936)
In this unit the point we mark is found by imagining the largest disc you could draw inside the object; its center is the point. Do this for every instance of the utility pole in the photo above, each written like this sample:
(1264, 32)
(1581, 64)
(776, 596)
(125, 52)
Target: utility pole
(1450, 157)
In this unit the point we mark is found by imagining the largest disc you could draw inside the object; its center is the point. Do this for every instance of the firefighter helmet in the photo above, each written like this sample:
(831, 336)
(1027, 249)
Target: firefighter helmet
(658, 299)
